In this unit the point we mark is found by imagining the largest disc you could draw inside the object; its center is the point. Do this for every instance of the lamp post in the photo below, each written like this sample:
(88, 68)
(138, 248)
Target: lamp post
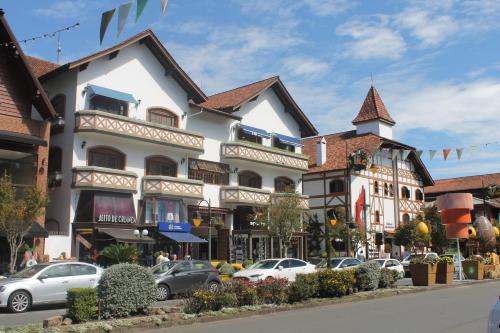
(139, 234)
(209, 227)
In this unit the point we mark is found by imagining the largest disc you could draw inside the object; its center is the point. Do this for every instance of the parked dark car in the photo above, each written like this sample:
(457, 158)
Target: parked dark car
(177, 277)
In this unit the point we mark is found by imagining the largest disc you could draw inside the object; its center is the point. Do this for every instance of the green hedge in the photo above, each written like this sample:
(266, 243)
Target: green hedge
(82, 304)
(368, 275)
(336, 283)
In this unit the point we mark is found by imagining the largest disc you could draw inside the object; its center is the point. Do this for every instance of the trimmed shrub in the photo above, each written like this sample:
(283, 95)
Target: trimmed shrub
(125, 289)
(247, 263)
(304, 287)
(227, 269)
(272, 292)
(204, 300)
(336, 283)
(82, 304)
(224, 300)
(388, 278)
(245, 293)
(368, 275)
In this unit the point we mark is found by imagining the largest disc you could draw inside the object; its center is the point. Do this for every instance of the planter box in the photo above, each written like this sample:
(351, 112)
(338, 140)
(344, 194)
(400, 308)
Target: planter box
(444, 273)
(473, 270)
(423, 274)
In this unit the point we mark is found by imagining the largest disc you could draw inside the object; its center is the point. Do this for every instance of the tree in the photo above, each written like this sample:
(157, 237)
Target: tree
(120, 254)
(438, 231)
(17, 214)
(406, 235)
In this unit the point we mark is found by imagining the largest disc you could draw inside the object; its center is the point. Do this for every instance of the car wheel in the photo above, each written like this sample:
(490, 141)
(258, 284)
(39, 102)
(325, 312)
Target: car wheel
(162, 292)
(19, 301)
(213, 286)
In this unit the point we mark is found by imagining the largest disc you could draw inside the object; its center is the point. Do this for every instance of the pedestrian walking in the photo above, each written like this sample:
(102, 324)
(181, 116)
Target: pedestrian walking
(160, 259)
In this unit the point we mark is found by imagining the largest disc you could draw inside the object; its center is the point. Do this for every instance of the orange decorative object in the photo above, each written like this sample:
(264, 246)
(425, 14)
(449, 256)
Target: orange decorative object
(456, 216)
(455, 201)
(497, 231)
(422, 228)
(472, 232)
(457, 230)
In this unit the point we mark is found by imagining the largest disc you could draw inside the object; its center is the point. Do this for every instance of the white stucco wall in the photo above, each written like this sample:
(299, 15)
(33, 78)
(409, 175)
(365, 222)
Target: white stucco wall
(376, 127)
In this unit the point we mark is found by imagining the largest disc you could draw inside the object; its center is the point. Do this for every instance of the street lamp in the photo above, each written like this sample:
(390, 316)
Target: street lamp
(140, 234)
(209, 227)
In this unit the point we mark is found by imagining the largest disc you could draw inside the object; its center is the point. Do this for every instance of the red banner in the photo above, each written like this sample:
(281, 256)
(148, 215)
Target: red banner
(360, 204)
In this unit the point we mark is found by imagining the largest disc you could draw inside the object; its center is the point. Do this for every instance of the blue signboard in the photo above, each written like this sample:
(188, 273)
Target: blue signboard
(174, 226)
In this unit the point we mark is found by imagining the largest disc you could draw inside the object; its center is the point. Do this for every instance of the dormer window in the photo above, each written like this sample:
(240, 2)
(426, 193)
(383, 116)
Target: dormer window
(109, 100)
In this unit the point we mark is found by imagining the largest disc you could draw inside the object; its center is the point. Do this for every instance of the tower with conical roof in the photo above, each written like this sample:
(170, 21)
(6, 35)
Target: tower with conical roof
(374, 117)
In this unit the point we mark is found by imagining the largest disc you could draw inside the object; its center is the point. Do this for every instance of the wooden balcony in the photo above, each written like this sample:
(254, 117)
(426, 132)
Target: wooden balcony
(108, 123)
(244, 195)
(172, 186)
(241, 150)
(90, 177)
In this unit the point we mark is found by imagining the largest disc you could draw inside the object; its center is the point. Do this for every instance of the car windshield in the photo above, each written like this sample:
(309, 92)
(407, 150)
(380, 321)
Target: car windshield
(163, 268)
(264, 264)
(334, 263)
(28, 272)
(380, 262)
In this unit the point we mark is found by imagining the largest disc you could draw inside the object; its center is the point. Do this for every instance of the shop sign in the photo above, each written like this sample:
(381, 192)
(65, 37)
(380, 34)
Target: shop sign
(174, 226)
(106, 218)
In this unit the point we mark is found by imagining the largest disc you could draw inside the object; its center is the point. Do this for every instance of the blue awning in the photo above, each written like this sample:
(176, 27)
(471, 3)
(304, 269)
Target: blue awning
(289, 140)
(115, 94)
(183, 237)
(255, 131)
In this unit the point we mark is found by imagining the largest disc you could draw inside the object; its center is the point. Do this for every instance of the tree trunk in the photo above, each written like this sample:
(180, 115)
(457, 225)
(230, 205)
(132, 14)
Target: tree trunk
(14, 246)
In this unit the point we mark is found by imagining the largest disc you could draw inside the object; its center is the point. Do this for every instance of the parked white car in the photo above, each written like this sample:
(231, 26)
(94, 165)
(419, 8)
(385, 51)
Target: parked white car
(494, 319)
(275, 269)
(340, 263)
(393, 265)
(406, 261)
(46, 283)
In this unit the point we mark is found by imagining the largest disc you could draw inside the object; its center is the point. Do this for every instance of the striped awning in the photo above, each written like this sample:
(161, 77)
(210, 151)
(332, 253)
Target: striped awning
(255, 131)
(288, 140)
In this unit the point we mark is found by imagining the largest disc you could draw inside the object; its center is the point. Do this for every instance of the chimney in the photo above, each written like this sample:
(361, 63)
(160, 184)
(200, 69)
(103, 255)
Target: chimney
(321, 152)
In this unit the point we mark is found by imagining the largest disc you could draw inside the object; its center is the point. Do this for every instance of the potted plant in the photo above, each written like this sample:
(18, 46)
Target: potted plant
(473, 267)
(445, 270)
(423, 271)
(358, 160)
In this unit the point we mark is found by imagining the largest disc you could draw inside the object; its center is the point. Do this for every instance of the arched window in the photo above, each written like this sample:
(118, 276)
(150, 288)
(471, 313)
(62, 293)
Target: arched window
(375, 187)
(406, 218)
(283, 184)
(405, 193)
(386, 189)
(391, 190)
(377, 216)
(52, 226)
(59, 104)
(249, 179)
(55, 159)
(163, 117)
(419, 196)
(336, 186)
(161, 166)
(106, 157)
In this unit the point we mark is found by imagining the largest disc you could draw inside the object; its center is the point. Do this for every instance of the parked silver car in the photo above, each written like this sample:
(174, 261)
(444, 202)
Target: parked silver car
(340, 263)
(45, 283)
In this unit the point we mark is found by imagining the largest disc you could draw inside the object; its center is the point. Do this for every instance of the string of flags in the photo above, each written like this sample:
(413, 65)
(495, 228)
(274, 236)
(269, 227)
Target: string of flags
(123, 13)
(446, 152)
(46, 35)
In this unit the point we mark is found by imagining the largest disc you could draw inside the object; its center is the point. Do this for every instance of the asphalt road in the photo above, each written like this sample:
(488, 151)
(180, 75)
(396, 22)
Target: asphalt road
(462, 309)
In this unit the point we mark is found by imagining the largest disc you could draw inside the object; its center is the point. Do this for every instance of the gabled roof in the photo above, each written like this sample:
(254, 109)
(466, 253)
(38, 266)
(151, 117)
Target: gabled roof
(32, 85)
(41, 67)
(340, 145)
(231, 101)
(467, 183)
(156, 47)
(373, 109)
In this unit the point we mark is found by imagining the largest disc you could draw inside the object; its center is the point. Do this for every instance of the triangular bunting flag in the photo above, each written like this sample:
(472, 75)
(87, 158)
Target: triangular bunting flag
(105, 19)
(163, 6)
(140, 8)
(395, 153)
(405, 154)
(460, 151)
(123, 12)
(419, 153)
(446, 152)
(432, 153)
(473, 150)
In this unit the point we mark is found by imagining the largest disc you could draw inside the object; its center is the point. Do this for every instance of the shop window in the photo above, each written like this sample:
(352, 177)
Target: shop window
(336, 186)
(110, 105)
(283, 184)
(163, 117)
(278, 144)
(106, 157)
(209, 172)
(419, 196)
(391, 190)
(163, 210)
(59, 104)
(19, 166)
(52, 226)
(249, 179)
(386, 189)
(105, 207)
(245, 136)
(405, 193)
(161, 166)
(375, 187)
(377, 216)
(406, 218)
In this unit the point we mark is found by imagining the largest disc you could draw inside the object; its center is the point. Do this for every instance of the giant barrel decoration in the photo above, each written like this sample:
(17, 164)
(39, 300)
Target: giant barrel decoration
(455, 213)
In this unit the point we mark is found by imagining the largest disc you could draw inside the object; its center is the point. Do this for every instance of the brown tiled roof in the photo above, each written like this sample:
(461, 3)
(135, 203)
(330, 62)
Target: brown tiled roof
(234, 98)
(463, 183)
(373, 108)
(41, 67)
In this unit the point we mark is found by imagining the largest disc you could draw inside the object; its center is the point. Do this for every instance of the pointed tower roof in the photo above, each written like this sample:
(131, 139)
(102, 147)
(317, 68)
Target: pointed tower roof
(373, 109)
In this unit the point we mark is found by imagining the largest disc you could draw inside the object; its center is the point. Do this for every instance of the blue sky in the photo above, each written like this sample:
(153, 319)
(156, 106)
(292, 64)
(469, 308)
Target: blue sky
(436, 64)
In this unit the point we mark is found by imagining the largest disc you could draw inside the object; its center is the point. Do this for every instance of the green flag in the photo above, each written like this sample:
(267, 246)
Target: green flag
(140, 8)
(123, 12)
(105, 19)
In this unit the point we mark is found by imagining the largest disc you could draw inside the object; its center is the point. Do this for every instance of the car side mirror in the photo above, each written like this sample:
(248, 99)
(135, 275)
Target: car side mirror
(280, 268)
(42, 276)
(175, 271)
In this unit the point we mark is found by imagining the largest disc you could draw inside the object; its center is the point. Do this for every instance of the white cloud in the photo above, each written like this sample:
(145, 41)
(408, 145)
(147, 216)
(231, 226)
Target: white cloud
(305, 66)
(430, 29)
(66, 9)
(372, 39)
(290, 8)
(329, 7)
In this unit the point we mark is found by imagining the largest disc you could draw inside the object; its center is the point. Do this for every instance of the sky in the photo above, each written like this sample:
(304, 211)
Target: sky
(436, 64)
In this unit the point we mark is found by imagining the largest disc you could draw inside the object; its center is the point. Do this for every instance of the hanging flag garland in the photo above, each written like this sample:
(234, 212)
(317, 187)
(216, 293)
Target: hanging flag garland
(460, 151)
(163, 6)
(432, 153)
(446, 152)
(140, 8)
(405, 153)
(105, 19)
(123, 12)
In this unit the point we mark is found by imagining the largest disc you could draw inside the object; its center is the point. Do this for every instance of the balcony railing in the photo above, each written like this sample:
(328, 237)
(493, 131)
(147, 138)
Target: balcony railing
(244, 195)
(267, 155)
(89, 177)
(115, 125)
(172, 186)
